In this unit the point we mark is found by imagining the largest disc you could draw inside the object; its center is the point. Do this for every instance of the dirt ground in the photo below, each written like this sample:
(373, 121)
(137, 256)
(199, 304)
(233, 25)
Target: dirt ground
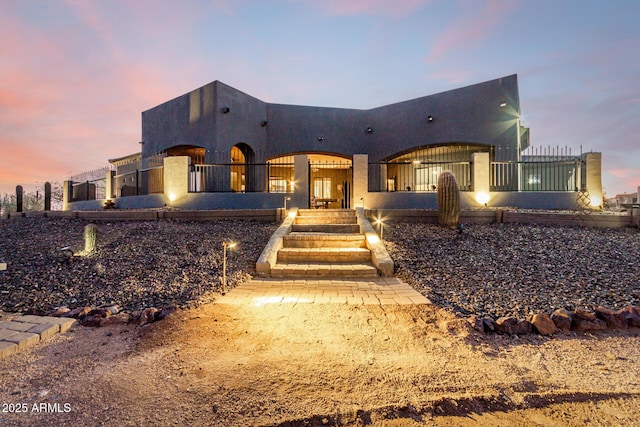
(285, 365)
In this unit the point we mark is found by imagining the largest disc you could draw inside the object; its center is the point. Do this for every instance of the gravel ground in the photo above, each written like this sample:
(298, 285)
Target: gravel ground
(137, 264)
(494, 270)
(514, 270)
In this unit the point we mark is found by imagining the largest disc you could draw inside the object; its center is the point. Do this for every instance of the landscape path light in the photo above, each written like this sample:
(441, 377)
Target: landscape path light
(380, 223)
(225, 245)
(285, 202)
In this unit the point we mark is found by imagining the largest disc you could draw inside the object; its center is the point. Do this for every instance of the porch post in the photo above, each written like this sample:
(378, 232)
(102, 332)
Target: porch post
(67, 188)
(108, 187)
(593, 165)
(300, 197)
(481, 177)
(360, 179)
(176, 177)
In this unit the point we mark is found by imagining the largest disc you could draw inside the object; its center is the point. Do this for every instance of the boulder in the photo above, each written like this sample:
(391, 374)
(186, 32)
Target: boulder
(616, 319)
(583, 325)
(632, 313)
(506, 325)
(562, 319)
(160, 315)
(148, 315)
(584, 314)
(488, 324)
(58, 312)
(77, 313)
(543, 324)
(476, 323)
(116, 319)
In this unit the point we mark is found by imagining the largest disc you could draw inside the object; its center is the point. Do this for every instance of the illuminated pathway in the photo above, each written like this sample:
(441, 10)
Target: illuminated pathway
(377, 291)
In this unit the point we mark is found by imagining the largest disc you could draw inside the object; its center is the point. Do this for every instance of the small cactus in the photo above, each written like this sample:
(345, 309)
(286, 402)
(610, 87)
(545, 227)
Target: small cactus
(90, 239)
(47, 196)
(19, 198)
(448, 200)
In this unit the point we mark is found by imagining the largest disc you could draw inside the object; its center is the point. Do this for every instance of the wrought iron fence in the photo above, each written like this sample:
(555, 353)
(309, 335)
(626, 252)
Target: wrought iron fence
(241, 178)
(416, 176)
(561, 175)
(89, 185)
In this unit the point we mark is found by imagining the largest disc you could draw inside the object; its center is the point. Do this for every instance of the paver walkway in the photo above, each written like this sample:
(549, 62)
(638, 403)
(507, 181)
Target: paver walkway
(381, 290)
(21, 332)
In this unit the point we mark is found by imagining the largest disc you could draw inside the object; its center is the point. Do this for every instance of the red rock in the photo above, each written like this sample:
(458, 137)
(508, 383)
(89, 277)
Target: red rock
(90, 320)
(488, 324)
(77, 313)
(58, 312)
(543, 324)
(562, 319)
(584, 314)
(615, 319)
(165, 312)
(632, 313)
(147, 316)
(583, 325)
(116, 319)
(476, 323)
(506, 325)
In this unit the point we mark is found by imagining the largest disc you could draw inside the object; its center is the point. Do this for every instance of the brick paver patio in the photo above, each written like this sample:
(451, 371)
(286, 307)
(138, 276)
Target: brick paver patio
(381, 290)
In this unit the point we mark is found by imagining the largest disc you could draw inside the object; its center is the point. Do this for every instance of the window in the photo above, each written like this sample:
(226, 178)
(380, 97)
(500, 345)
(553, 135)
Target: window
(322, 188)
(277, 184)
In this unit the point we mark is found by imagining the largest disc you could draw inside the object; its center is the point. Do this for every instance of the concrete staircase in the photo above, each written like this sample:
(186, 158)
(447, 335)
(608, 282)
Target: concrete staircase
(324, 243)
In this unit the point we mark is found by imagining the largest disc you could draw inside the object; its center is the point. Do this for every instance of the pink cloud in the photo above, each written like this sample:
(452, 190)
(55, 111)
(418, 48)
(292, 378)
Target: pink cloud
(471, 29)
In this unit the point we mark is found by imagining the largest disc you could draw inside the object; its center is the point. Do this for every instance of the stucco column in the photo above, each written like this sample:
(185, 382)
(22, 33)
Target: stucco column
(108, 185)
(176, 177)
(593, 165)
(481, 174)
(67, 188)
(300, 198)
(360, 178)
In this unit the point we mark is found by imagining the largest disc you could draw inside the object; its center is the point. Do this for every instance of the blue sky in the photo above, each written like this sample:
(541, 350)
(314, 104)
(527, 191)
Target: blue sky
(76, 74)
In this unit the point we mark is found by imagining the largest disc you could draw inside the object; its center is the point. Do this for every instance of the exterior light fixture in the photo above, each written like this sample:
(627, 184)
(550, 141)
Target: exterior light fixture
(380, 223)
(225, 245)
(369, 129)
(141, 142)
(225, 110)
(430, 119)
(503, 104)
(321, 138)
(482, 198)
(285, 202)
(263, 123)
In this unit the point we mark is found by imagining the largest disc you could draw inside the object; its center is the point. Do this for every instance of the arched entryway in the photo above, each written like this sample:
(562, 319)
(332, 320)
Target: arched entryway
(242, 177)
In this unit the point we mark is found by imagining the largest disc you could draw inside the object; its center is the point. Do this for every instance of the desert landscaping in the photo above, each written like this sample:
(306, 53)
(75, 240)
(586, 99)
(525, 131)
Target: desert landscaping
(210, 363)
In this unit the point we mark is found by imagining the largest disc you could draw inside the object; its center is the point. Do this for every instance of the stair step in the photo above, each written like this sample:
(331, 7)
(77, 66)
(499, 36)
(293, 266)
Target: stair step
(316, 270)
(320, 240)
(326, 228)
(328, 219)
(331, 254)
(326, 212)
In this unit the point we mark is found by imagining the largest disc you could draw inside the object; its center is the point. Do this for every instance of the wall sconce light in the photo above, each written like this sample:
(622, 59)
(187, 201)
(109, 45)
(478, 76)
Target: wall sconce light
(141, 142)
(430, 119)
(321, 138)
(225, 110)
(263, 123)
(503, 104)
(369, 129)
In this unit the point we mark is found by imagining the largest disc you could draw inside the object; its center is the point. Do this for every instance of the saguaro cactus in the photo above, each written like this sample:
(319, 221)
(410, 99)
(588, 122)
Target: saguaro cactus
(47, 196)
(19, 198)
(448, 200)
(90, 238)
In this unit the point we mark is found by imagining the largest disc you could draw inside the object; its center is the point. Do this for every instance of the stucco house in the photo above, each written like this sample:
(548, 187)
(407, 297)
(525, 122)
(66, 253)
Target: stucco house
(217, 147)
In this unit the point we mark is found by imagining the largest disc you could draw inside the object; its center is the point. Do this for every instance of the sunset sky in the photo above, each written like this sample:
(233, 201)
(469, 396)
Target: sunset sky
(75, 75)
